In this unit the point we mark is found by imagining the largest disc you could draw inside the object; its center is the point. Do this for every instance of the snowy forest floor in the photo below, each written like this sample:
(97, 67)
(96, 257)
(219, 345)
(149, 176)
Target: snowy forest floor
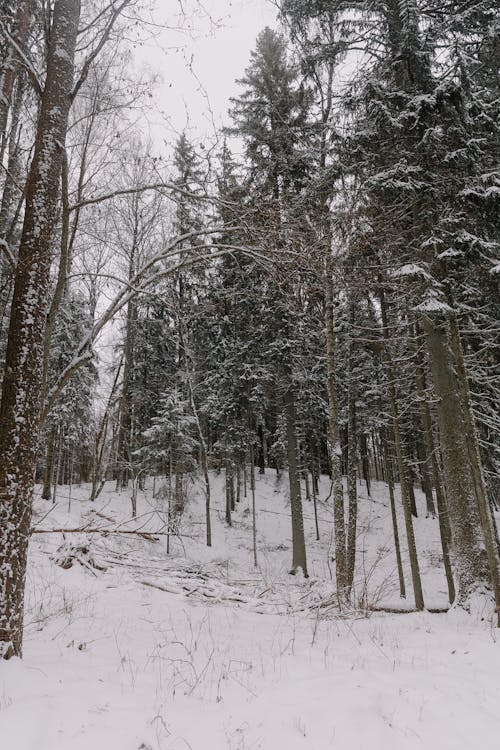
(200, 650)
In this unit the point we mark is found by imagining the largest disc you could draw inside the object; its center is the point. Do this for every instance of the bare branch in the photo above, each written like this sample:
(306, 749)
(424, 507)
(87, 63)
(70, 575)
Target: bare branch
(104, 38)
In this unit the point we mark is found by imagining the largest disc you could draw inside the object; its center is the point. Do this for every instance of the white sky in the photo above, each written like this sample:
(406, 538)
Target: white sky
(218, 48)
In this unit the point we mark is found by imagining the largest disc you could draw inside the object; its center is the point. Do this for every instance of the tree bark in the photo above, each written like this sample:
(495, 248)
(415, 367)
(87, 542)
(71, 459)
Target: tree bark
(12, 63)
(20, 403)
(487, 519)
(335, 451)
(410, 536)
(444, 521)
(468, 544)
(298, 541)
(352, 493)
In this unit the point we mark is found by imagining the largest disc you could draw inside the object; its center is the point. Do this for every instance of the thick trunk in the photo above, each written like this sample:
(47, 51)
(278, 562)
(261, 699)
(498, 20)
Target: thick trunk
(487, 519)
(20, 404)
(468, 547)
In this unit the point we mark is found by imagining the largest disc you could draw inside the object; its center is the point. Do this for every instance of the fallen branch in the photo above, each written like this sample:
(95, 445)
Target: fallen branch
(150, 537)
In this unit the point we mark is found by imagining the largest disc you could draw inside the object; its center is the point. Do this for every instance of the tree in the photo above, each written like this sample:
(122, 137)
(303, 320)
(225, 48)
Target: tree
(20, 404)
(21, 392)
(271, 117)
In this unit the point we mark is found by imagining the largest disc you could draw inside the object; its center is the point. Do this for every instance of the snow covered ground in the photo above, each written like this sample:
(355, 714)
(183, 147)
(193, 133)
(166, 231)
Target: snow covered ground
(199, 650)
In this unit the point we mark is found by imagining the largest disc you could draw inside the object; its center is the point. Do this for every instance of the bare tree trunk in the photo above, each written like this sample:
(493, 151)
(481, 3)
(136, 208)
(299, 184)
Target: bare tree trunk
(12, 62)
(334, 445)
(444, 521)
(203, 460)
(410, 536)
(298, 541)
(254, 515)
(315, 506)
(125, 415)
(98, 474)
(12, 174)
(487, 519)
(228, 481)
(352, 493)
(468, 545)
(49, 464)
(365, 463)
(20, 404)
(397, 546)
(57, 469)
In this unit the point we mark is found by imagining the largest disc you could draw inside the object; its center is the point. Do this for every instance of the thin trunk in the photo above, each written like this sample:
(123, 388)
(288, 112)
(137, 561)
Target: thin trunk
(228, 493)
(444, 521)
(169, 502)
(397, 546)
(315, 506)
(12, 63)
(203, 457)
(335, 450)
(261, 453)
(298, 541)
(70, 479)
(57, 470)
(410, 536)
(254, 515)
(365, 463)
(49, 464)
(12, 174)
(352, 492)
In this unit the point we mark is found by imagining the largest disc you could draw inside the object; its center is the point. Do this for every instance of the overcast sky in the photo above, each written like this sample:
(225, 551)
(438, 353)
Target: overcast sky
(217, 39)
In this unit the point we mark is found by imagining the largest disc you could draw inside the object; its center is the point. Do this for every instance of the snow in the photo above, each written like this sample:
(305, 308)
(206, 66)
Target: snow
(201, 651)
(411, 269)
(432, 304)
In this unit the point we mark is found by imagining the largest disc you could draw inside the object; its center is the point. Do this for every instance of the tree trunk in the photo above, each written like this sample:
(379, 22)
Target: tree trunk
(228, 482)
(20, 403)
(395, 530)
(468, 547)
(298, 541)
(444, 521)
(487, 519)
(335, 450)
(254, 513)
(49, 464)
(11, 64)
(125, 417)
(410, 536)
(352, 493)
(365, 463)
